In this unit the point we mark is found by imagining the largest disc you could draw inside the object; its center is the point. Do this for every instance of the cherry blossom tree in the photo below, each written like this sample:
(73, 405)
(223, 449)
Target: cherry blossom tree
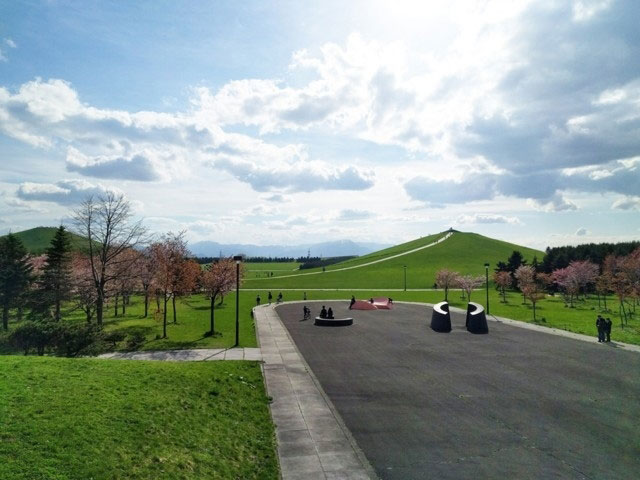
(503, 281)
(446, 279)
(83, 288)
(218, 280)
(468, 283)
(525, 275)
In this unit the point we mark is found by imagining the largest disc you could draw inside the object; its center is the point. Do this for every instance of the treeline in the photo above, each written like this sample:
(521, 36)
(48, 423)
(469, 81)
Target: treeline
(561, 257)
(121, 260)
(316, 262)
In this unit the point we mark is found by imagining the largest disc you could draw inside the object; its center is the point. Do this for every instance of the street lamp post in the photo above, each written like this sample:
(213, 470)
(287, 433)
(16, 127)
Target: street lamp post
(486, 273)
(238, 259)
(405, 277)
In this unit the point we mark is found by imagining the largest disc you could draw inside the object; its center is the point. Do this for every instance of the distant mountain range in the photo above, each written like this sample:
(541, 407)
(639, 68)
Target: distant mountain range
(338, 248)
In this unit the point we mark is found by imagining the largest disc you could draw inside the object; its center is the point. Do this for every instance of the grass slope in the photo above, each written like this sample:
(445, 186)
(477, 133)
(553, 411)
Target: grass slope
(462, 252)
(37, 240)
(116, 419)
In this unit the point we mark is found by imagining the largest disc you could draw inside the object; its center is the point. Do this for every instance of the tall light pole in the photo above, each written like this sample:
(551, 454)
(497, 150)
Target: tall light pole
(238, 259)
(405, 277)
(486, 273)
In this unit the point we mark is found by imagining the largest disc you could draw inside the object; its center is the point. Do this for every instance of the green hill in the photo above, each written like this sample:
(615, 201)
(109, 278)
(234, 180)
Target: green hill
(37, 240)
(463, 252)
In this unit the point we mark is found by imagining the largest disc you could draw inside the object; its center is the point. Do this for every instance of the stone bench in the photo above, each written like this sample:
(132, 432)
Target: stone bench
(441, 318)
(333, 322)
(476, 318)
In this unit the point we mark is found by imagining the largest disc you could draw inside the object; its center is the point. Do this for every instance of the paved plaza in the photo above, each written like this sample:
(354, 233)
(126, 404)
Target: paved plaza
(516, 403)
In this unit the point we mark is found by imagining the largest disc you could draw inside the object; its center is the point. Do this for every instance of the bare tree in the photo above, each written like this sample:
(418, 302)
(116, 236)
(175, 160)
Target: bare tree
(106, 223)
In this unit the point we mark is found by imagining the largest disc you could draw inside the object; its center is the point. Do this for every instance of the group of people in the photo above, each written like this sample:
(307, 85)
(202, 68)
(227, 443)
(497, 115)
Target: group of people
(324, 313)
(270, 298)
(604, 329)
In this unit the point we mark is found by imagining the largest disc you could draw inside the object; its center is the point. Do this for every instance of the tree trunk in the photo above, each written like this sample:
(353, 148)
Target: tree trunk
(604, 299)
(173, 301)
(5, 317)
(534, 310)
(146, 303)
(164, 318)
(124, 302)
(446, 294)
(115, 305)
(99, 305)
(20, 313)
(212, 314)
(57, 315)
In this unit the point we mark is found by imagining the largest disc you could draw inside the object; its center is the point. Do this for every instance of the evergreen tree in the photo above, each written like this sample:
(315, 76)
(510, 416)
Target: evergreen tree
(55, 284)
(15, 275)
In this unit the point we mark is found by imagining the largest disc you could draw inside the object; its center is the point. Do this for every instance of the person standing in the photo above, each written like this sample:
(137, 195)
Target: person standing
(600, 326)
(270, 297)
(353, 300)
(607, 329)
(279, 297)
(258, 300)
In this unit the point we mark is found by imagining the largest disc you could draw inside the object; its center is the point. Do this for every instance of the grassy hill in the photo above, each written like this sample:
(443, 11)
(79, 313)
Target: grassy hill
(37, 240)
(463, 252)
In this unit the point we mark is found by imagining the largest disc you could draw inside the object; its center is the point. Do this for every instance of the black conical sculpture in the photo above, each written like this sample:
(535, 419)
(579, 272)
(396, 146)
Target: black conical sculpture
(440, 318)
(476, 318)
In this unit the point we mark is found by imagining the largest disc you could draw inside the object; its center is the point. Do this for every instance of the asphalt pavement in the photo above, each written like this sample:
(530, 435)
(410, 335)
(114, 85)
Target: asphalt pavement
(515, 403)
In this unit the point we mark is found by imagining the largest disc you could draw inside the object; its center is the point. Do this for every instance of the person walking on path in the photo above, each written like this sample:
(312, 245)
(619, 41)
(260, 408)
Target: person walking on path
(600, 325)
(607, 329)
(353, 300)
(258, 300)
(270, 298)
(279, 297)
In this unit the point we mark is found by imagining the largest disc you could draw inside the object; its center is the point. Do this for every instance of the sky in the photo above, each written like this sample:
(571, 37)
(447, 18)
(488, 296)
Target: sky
(289, 122)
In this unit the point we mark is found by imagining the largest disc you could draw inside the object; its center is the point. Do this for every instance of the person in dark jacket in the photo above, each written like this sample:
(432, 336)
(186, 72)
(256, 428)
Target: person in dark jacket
(600, 325)
(270, 297)
(353, 300)
(330, 313)
(607, 329)
(323, 312)
(258, 300)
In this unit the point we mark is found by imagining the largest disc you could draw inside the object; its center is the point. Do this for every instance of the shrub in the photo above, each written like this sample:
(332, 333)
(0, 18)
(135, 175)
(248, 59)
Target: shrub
(34, 335)
(136, 340)
(76, 339)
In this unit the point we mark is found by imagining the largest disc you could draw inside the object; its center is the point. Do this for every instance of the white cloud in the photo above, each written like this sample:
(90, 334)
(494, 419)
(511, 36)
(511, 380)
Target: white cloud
(581, 232)
(478, 218)
(65, 192)
(138, 167)
(557, 203)
(627, 203)
(350, 215)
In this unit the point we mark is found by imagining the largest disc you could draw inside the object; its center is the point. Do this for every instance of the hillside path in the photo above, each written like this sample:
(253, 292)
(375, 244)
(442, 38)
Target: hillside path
(440, 240)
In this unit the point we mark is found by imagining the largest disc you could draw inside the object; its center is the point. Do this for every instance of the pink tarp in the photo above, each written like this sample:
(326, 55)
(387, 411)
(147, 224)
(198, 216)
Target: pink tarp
(381, 303)
(363, 305)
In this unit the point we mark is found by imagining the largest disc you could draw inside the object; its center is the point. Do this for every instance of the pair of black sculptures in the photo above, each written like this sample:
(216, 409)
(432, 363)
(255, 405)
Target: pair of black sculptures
(476, 318)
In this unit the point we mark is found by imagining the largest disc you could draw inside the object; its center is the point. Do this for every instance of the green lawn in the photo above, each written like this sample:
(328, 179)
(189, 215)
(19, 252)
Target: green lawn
(463, 252)
(188, 332)
(116, 419)
(580, 319)
(264, 270)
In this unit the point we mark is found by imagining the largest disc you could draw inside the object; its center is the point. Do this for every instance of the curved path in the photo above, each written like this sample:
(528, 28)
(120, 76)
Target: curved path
(413, 250)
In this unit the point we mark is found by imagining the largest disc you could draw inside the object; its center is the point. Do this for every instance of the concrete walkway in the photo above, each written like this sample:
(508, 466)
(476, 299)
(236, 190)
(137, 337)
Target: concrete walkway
(195, 355)
(313, 442)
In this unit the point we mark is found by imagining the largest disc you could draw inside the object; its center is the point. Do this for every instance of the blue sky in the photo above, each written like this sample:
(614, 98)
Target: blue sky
(291, 122)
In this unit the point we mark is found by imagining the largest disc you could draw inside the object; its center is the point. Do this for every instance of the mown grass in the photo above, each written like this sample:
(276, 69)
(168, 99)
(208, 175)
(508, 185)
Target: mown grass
(580, 319)
(189, 331)
(264, 270)
(462, 252)
(113, 419)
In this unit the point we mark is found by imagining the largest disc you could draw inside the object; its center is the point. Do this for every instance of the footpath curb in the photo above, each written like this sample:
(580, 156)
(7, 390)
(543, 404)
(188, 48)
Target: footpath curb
(313, 441)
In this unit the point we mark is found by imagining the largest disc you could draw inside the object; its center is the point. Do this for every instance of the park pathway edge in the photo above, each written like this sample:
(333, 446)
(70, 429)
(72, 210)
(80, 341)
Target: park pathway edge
(313, 441)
